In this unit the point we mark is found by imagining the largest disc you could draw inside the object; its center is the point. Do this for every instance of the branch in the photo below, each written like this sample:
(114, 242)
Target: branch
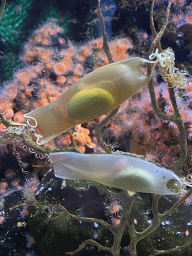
(182, 133)
(157, 39)
(176, 205)
(92, 242)
(177, 248)
(6, 122)
(158, 112)
(65, 212)
(105, 42)
(99, 126)
(156, 221)
(152, 25)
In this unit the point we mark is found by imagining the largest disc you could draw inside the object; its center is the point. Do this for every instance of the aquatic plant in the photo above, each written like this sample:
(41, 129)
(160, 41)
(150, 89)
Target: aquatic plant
(13, 17)
(61, 222)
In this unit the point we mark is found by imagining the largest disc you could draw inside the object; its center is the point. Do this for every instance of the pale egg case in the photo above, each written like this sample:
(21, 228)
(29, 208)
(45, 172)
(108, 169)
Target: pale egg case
(118, 171)
(95, 94)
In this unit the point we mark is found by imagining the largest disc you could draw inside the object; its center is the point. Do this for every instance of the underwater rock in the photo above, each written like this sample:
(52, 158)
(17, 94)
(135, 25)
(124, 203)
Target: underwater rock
(53, 229)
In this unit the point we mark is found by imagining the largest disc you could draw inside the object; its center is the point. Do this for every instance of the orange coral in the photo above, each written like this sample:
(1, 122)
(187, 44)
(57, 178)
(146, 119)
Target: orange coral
(59, 68)
(61, 80)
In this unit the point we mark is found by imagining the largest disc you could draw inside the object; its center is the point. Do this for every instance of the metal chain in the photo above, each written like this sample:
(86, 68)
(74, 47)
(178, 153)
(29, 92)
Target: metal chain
(18, 156)
(16, 142)
(37, 155)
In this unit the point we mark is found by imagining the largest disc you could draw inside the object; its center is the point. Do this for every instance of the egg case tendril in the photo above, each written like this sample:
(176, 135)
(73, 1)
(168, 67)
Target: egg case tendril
(166, 62)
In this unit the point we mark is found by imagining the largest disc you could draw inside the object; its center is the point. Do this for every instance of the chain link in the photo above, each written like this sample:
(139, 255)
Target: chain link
(189, 179)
